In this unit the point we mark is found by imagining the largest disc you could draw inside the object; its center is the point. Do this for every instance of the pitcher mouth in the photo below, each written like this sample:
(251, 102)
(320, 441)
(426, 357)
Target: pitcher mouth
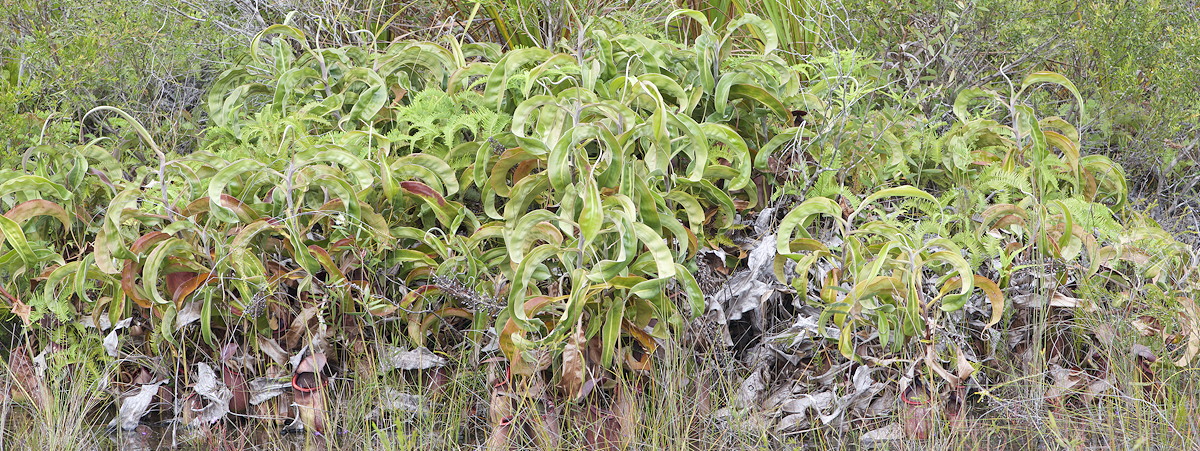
(307, 382)
(915, 395)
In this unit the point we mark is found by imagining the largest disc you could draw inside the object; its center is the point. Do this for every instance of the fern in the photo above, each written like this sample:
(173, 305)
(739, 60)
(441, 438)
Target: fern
(435, 122)
(1000, 179)
(973, 247)
(826, 186)
(930, 229)
(1095, 218)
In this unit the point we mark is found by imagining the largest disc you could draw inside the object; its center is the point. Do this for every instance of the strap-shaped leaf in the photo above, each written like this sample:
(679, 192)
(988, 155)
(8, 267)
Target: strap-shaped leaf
(251, 278)
(648, 201)
(692, 289)
(36, 185)
(783, 140)
(1107, 175)
(626, 249)
(137, 127)
(663, 260)
(499, 174)
(331, 268)
(1069, 149)
(963, 101)
(719, 198)
(685, 241)
(556, 61)
(39, 207)
(698, 149)
(800, 217)
(899, 191)
(1062, 126)
(468, 77)
(561, 167)
(994, 294)
(691, 14)
(955, 260)
(520, 283)
(11, 233)
(157, 260)
(1055, 78)
(690, 206)
(288, 87)
(735, 145)
(523, 195)
(1027, 125)
(611, 331)
(1064, 241)
(283, 30)
(741, 85)
(668, 86)
(364, 175)
(760, 28)
(591, 217)
(337, 188)
(109, 246)
(370, 101)
(222, 179)
(517, 233)
(868, 288)
(426, 61)
(497, 81)
(532, 108)
(250, 232)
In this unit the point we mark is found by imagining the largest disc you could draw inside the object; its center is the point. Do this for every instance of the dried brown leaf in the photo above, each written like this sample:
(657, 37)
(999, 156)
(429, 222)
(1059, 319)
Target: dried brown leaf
(499, 439)
(214, 392)
(391, 358)
(574, 371)
(28, 384)
(271, 348)
(883, 436)
(22, 311)
(134, 407)
(1147, 326)
(626, 415)
(1191, 320)
(265, 388)
(299, 327)
(1064, 382)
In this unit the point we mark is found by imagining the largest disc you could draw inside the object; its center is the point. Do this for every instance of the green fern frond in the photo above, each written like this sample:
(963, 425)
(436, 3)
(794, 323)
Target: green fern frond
(1095, 218)
(999, 179)
(972, 246)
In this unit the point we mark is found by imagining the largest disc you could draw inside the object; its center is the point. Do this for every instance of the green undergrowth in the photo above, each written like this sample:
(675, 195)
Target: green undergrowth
(444, 244)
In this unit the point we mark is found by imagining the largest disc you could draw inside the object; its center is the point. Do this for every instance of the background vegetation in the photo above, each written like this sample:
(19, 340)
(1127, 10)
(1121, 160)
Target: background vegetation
(599, 224)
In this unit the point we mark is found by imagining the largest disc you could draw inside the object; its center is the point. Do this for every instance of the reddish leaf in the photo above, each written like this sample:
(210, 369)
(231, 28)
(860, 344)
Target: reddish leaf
(202, 205)
(146, 241)
(176, 280)
(414, 294)
(38, 207)
(234, 379)
(326, 261)
(128, 274)
(185, 289)
(344, 242)
(423, 190)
